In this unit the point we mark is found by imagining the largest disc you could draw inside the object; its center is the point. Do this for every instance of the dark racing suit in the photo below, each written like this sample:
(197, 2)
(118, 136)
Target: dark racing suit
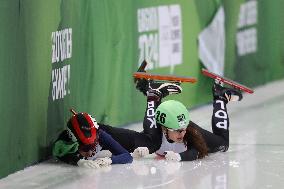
(151, 136)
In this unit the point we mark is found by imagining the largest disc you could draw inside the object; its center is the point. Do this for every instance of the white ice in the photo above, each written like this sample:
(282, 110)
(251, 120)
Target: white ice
(255, 158)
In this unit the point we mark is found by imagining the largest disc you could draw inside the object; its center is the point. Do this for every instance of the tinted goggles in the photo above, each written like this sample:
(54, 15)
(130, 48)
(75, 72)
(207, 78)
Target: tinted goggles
(177, 130)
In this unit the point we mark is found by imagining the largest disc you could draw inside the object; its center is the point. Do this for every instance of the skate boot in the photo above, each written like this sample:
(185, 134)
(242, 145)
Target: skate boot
(161, 90)
(224, 93)
(142, 85)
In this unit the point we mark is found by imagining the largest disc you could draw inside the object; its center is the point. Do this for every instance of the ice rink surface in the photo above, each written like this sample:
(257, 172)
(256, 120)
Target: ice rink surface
(255, 158)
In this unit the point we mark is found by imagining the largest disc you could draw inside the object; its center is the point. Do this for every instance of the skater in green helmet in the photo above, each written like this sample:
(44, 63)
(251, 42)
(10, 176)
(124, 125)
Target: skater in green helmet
(180, 138)
(167, 128)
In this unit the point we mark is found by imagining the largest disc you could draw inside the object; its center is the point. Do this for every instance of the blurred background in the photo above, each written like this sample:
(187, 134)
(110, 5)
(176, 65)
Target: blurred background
(59, 54)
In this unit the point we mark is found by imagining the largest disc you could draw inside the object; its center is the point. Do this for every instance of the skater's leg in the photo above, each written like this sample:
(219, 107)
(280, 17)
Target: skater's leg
(154, 95)
(149, 122)
(219, 139)
(220, 117)
(220, 123)
(130, 139)
(125, 137)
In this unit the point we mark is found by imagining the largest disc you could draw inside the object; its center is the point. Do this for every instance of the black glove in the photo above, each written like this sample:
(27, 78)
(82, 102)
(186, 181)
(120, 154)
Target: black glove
(142, 85)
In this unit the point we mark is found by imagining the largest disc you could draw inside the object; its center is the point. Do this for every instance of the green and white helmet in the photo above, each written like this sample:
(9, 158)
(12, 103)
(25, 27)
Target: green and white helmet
(172, 115)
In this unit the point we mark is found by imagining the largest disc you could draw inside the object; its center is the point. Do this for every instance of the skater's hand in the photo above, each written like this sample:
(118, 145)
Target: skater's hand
(88, 164)
(103, 162)
(94, 164)
(172, 156)
(140, 152)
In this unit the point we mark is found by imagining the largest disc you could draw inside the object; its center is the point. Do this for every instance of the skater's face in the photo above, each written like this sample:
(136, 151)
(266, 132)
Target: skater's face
(176, 135)
(86, 154)
(87, 150)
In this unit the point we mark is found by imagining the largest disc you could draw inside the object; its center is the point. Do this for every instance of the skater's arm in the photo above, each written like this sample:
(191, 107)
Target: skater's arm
(120, 154)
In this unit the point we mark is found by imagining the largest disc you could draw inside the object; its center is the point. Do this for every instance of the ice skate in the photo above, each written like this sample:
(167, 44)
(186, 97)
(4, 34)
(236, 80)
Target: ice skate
(234, 84)
(161, 90)
(150, 87)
